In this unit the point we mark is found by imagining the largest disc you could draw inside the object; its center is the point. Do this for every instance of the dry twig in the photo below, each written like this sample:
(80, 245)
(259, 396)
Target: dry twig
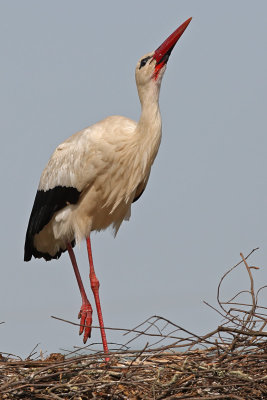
(227, 363)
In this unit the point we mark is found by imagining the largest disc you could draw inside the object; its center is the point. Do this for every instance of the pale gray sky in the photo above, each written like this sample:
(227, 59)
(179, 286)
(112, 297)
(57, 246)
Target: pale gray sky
(65, 65)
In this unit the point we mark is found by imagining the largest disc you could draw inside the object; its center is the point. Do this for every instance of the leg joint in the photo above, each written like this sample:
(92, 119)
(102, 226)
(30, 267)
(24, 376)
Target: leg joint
(94, 282)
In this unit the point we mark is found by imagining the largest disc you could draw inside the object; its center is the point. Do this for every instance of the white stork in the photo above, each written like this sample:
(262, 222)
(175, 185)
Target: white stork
(93, 177)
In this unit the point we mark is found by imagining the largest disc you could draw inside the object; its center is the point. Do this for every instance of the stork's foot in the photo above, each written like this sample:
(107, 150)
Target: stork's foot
(85, 315)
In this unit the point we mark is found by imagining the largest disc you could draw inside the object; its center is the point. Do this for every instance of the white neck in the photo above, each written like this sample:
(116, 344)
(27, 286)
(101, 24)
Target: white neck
(149, 125)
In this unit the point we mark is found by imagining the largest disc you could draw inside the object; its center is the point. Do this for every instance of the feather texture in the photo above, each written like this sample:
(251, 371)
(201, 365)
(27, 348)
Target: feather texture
(94, 176)
(46, 203)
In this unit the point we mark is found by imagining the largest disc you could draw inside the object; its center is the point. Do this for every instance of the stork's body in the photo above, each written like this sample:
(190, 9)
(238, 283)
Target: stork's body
(99, 171)
(93, 177)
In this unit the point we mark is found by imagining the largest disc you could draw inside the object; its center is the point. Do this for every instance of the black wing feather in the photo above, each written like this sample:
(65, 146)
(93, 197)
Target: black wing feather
(138, 196)
(46, 203)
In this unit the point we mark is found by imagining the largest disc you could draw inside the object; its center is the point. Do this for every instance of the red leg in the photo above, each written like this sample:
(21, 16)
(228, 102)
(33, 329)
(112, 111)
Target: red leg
(85, 314)
(95, 288)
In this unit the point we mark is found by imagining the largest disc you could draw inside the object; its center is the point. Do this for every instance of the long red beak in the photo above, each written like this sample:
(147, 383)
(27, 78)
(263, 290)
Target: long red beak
(162, 54)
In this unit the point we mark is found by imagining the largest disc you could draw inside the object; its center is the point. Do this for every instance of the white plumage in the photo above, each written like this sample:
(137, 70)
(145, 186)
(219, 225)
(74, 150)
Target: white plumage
(109, 164)
(93, 177)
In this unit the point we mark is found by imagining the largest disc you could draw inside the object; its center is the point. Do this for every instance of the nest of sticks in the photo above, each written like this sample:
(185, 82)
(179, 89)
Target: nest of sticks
(228, 363)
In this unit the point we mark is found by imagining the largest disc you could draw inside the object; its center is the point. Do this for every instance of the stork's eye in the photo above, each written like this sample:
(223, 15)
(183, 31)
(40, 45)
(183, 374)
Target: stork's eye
(144, 61)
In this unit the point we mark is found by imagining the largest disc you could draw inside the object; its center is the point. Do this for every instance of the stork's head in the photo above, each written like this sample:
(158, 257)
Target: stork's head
(151, 67)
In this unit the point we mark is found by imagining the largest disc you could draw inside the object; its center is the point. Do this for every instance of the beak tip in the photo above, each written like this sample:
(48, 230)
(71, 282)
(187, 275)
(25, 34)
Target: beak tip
(170, 42)
(187, 22)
